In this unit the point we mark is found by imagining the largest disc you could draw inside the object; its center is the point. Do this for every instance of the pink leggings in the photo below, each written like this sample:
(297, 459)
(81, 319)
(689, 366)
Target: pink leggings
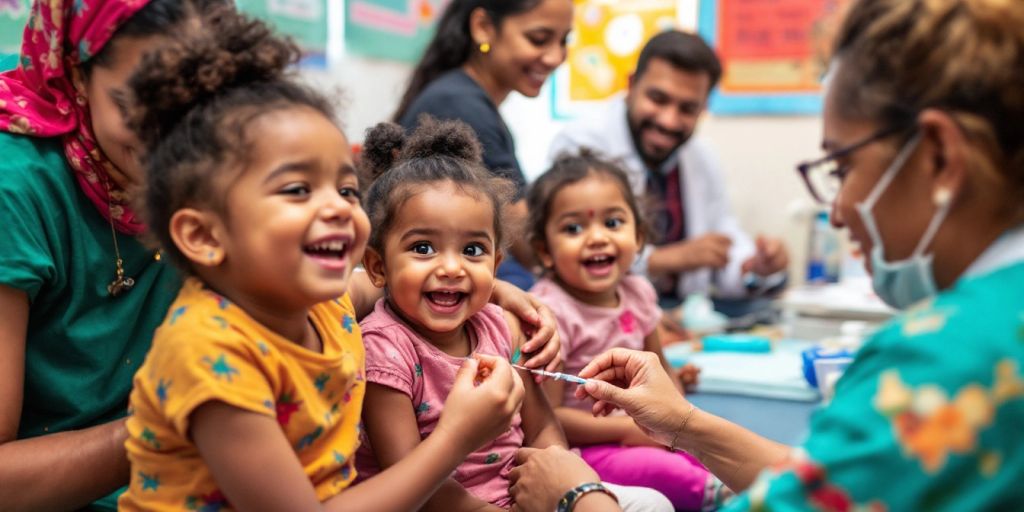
(677, 475)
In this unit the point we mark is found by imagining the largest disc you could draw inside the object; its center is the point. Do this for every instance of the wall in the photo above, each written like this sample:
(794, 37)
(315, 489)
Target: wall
(757, 153)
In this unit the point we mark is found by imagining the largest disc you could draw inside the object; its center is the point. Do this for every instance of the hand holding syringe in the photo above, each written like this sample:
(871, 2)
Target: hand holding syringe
(572, 379)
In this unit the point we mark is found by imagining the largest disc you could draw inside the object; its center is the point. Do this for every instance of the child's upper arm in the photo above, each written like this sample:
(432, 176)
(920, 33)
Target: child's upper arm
(517, 338)
(390, 422)
(225, 437)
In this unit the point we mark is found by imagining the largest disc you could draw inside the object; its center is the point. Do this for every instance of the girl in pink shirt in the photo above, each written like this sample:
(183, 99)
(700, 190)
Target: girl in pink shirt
(437, 239)
(587, 229)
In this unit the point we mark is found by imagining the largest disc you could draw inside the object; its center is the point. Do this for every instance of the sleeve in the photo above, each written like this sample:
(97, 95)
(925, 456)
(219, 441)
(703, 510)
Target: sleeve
(201, 363)
(644, 299)
(547, 293)
(722, 220)
(903, 412)
(26, 257)
(475, 111)
(390, 359)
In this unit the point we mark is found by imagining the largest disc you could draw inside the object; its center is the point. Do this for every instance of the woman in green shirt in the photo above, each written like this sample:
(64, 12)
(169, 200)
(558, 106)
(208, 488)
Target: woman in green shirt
(80, 296)
(925, 166)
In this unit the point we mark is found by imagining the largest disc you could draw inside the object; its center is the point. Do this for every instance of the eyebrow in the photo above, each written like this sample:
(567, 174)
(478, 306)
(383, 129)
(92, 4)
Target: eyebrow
(418, 232)
(606, 211)
(299, 166)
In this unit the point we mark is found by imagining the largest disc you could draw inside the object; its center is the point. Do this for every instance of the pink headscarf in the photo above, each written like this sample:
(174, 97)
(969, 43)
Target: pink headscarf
(38, 97)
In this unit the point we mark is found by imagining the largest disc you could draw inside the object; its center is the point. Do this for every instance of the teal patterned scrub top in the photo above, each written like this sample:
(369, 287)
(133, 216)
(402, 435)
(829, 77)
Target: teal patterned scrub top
(930, 415)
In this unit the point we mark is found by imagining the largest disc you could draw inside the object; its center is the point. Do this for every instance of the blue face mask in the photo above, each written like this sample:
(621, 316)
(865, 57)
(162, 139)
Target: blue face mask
(901, 283)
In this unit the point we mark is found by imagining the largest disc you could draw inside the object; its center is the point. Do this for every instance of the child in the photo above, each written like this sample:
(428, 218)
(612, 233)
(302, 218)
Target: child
(250, 397)
(586, 228)
(439, 230)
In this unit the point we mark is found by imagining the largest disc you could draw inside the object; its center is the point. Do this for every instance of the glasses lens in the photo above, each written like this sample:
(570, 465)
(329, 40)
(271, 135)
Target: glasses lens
(824, 180)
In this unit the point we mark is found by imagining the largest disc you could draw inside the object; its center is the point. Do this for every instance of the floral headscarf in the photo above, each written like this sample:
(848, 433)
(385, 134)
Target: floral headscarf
(39, 98)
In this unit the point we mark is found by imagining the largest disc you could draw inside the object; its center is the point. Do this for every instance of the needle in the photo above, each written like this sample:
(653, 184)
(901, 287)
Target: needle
(555, 375)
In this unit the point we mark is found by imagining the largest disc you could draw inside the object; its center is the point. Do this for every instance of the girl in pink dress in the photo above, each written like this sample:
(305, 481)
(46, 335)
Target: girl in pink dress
(586, 228)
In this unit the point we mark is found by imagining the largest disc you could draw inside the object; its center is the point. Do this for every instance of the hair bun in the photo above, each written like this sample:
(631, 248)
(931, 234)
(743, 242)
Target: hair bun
(381, 148)
(233, 51)
(450, 138)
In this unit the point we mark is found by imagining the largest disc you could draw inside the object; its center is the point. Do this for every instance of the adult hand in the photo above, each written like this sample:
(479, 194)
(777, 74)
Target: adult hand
(710, 250)
(538, 323)
(771, 257)
(485, 397)
(542, 477)
(637, 383)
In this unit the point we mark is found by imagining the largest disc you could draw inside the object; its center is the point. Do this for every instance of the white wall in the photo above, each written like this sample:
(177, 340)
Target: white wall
(758, 153)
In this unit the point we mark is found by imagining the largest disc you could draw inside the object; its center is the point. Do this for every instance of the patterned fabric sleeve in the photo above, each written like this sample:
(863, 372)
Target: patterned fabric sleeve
(390, 359)
(917, 423)
(210, 363)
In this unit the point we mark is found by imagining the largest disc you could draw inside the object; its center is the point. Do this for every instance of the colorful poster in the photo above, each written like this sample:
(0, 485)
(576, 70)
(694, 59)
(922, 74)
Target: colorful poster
(391, 29)
(13, 16)
(774, 53)
(304, 20)
(606, 40)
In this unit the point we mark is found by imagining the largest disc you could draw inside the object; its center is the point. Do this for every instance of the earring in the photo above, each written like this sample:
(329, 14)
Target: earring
(485, 48)
(210, 257)
(942, 197)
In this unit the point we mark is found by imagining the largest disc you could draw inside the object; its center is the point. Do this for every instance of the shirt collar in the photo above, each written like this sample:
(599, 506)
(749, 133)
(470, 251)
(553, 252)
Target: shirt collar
(1005, 251)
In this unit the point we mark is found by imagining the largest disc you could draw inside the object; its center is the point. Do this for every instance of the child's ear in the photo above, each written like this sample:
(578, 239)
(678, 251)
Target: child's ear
(198, 235)
(373, 262)
(541, 248)
(499, 256)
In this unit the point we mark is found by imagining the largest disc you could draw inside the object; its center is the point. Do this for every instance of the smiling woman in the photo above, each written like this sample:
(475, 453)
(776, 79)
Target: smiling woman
(483, 51)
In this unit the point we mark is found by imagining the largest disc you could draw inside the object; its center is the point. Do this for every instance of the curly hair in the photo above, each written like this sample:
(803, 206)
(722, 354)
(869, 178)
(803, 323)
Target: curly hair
(397, 166)
(192, 103)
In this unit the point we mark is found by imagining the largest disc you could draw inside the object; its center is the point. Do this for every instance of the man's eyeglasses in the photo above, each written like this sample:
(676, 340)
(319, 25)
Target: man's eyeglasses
(824, 176)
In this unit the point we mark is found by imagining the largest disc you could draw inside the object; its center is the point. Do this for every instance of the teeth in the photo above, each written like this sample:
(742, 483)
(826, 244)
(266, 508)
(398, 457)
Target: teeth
(329, 246)
(599, 259)
(445, 298)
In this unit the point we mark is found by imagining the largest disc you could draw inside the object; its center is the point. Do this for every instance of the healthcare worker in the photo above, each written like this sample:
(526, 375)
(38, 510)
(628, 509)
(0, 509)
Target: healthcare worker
(925, 166)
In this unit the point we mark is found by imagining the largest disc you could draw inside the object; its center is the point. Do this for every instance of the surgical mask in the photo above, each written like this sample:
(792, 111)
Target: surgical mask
(902, 283)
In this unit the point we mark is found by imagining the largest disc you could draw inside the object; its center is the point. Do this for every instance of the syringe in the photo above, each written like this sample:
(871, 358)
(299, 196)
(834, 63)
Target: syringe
(579, 381)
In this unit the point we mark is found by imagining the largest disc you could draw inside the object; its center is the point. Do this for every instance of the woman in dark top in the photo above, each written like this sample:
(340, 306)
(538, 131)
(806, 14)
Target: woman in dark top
(482, 51)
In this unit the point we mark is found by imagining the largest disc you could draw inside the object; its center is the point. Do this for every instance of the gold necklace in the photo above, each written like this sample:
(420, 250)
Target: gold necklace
(120, 284)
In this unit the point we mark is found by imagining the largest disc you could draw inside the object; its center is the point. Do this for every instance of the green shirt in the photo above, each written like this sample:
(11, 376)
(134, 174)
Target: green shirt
(83, 346)
(930, 415)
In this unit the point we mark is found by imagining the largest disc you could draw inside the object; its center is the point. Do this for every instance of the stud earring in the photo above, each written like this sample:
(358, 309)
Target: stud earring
(485, 48)
(210, 257)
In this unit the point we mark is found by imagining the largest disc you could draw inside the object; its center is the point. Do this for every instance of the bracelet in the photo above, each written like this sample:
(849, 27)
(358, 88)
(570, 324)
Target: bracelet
(570, 498)
(682, 427)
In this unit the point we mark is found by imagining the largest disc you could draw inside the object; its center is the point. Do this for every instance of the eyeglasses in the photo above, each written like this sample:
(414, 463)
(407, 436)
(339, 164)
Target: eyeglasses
(824, 176)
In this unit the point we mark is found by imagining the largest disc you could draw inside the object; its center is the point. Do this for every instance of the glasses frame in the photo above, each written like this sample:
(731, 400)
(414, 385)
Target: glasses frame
(804, 168)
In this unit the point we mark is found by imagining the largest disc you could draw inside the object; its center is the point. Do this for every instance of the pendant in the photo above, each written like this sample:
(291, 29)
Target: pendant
(120, 285)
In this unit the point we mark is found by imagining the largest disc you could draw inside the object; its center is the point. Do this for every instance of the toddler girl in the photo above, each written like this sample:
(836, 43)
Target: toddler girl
(586, 228)
(438, 233)
(250, 397)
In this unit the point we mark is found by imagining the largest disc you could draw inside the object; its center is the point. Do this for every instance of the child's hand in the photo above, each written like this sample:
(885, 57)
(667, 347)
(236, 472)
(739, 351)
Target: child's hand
(486, 396)
(538, 323)
(688, 376)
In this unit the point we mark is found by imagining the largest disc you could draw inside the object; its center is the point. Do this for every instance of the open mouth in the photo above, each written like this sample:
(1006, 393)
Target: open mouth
(328, 253)
(599, 265)
(445, 301)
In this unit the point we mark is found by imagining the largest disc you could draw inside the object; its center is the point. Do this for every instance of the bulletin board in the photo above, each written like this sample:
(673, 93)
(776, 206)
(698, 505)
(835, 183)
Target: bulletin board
(13, 16)
(774, 53)
(396, 30)
(303, 20)
(606, 40)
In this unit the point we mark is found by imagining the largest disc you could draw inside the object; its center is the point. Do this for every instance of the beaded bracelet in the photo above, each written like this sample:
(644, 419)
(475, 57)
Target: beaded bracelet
(570, 498)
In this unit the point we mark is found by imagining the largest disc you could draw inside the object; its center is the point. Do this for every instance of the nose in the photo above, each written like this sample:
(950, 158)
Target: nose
(554, 56)
(668, 118)
(597, 236)
(336, 208)
(450, 265)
